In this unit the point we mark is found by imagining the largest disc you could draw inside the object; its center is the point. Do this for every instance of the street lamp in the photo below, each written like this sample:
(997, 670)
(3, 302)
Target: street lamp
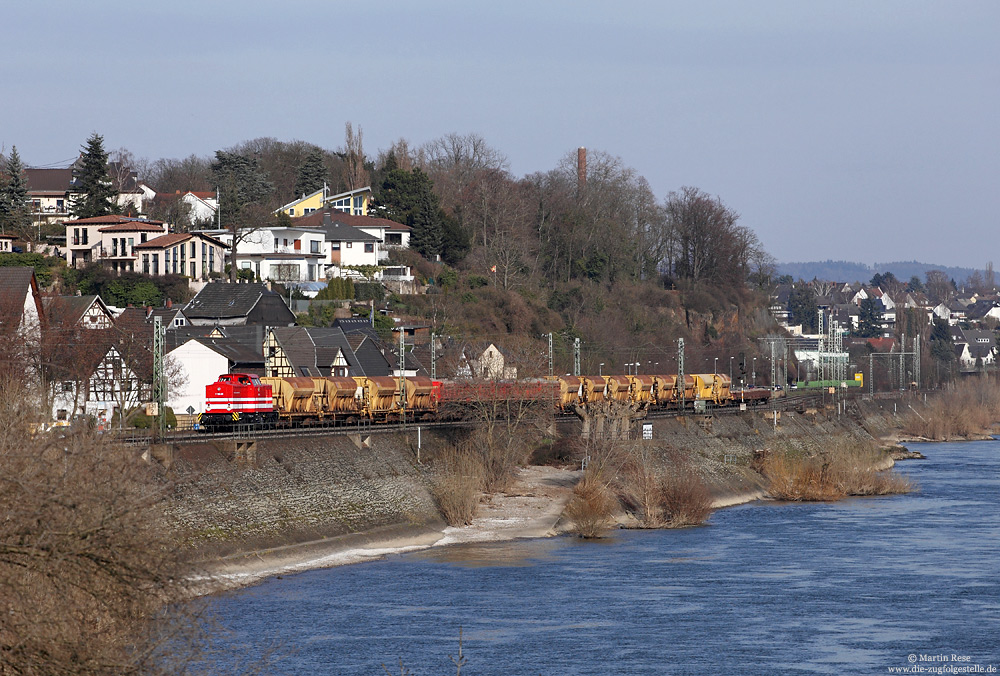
(753, 366)
(715, 366)
(730, 371)
(600, 369)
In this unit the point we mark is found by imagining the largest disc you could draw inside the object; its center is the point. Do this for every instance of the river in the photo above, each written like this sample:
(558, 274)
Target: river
(860, 586)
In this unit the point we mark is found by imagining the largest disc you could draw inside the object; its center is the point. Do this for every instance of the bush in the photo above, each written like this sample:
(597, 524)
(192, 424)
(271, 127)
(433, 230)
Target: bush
(663, 491)
(369, 291)
(90, 563)
(457, 485)
(592, 507)
(685, 499)
(338, 288)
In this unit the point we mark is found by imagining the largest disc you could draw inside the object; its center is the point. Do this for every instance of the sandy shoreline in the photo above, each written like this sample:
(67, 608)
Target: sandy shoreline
(532, 509)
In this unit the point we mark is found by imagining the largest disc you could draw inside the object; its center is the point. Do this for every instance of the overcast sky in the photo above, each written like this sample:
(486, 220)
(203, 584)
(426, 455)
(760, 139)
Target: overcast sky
(863, 131)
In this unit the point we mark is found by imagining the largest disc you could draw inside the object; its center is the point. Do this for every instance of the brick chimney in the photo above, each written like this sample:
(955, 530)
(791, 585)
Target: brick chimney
(581, 170)
(327, 219)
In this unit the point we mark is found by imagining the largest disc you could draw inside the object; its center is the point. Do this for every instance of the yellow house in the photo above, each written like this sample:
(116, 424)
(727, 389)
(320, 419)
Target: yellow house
(351, 202)
(305, 205)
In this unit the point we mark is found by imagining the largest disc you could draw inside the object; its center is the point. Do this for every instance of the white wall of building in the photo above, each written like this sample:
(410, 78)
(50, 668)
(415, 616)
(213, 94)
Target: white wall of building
(199, 366)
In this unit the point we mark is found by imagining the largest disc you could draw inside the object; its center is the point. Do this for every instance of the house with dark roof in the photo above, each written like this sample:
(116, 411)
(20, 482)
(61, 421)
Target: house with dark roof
(294, 351)
(88, 312)
(974, 348)
(238, 305)
(351, 325)
(51, 192)
(390, 234)
(21, 310)
(344, 244)
(982, 309)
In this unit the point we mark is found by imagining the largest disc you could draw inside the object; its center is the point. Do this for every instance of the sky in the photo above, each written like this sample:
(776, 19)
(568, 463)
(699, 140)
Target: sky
(863, 131)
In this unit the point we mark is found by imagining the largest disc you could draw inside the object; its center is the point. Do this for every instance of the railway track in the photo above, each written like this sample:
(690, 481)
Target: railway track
(254, 433)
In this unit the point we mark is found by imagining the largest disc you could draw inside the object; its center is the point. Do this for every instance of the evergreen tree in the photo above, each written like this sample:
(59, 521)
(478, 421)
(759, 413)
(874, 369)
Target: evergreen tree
(870, 318)
(243, 191)
(15, 217)
(802, 308)
(97, 194)
(311, 174)
(241, 183)
(942, 345)
(408, 197)
(455, 242)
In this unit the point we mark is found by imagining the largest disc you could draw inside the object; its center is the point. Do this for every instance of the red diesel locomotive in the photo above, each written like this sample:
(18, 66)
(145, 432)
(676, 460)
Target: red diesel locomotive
(238, 398)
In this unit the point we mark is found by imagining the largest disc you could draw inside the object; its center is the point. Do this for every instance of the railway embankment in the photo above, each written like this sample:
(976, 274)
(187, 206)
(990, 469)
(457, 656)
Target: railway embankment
(253, 509)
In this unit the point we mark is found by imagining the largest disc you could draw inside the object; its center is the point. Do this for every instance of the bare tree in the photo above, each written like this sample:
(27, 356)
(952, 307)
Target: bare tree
(355, 174)
(939, 287)
(88, 563)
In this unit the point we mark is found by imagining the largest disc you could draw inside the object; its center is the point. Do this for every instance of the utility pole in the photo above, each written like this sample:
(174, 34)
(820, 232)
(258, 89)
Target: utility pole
(402, 381)
(433, 351)
(576, 356)
(159, 376)
(820, 344)
(772, 364)
(680, 371)
(902, 363)
(916, 362)
(550, 354)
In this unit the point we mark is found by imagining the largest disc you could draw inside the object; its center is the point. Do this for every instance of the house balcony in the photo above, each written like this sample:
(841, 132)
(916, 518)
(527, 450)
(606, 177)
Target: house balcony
(397, 273)
(112, 255)
(289, 251)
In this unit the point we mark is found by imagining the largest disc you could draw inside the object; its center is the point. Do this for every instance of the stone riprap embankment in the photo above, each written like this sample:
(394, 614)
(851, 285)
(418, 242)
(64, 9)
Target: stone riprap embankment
(296, 489)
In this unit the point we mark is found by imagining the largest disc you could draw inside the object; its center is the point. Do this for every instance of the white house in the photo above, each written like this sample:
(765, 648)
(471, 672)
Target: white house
(203, 205)
(279, 254)
(389, 234)
(198, 364)
(108, 240)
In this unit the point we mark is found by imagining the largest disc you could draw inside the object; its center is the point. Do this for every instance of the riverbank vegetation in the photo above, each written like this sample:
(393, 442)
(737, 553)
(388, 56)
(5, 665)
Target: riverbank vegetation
(653, 486)
(846, 467)
(965, 409)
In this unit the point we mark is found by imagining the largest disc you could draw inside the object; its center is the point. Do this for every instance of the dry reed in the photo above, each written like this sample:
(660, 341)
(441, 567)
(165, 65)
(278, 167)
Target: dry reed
(842, 469)
(966, 409)
(457, 486)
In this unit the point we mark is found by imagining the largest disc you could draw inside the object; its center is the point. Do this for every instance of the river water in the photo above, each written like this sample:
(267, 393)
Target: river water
(854, 587)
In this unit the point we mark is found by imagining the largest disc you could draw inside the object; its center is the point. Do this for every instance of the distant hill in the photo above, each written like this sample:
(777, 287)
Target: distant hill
(847, 271)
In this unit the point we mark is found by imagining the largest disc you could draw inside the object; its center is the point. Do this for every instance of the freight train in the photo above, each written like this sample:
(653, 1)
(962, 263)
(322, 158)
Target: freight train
(247, 399)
